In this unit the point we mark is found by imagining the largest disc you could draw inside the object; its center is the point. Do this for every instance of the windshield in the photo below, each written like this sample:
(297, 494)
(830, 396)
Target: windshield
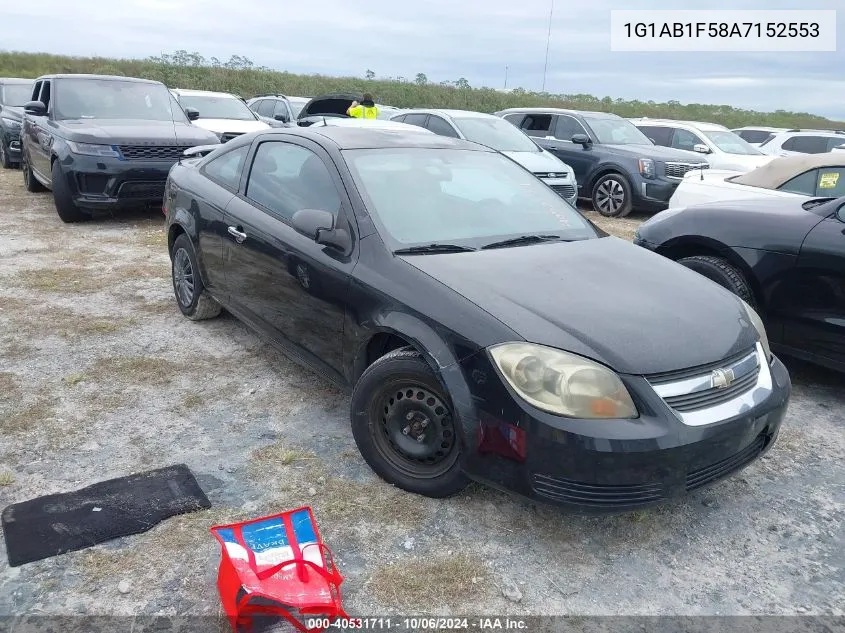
(496, 134)
(613, 131)
(296, 106)
(730, 143)
(217, 107)
(421, 196)
(114, 99)
(17, 94)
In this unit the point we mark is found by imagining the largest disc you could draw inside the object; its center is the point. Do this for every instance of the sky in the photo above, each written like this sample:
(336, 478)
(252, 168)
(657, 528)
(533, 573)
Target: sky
(446, 40)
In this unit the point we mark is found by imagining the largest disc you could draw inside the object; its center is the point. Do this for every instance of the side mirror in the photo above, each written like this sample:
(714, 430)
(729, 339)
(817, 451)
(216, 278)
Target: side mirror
(192, 113)
(281, 117)
(701, 148)
(319, 226)
(581, 139)
(35, 108)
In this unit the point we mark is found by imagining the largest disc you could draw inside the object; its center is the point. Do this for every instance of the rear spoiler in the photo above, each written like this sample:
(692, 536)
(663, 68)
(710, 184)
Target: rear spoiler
(199, 150)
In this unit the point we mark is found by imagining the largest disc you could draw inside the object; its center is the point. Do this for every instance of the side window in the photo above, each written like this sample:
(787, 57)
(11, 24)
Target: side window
(265, 107)
(659, 134)
(515, 118)
(537, 124)
(806, 144)
(226, 169)
(281, 108)
(45, 95)
(400, 118)
(805, 184)
(416, 119)
(441, 127)
(834, 142)
(684, 139)
(831, 182)
(286, 178)
(566, 127)
(36, 91)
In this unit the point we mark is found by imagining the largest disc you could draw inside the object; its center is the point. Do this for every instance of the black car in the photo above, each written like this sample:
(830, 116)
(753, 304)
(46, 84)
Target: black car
(14, 93)
(486, 328)
(102, 143)
(784, 256)
(617, 167)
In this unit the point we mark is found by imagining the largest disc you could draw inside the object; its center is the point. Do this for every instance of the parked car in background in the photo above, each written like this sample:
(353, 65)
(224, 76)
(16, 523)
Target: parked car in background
(101, 143)
(335, 105)
(795, 142)
(755, 135)
(433, 276)
(274, 110)
(372, 124)
(224, 114)
(794, 176)
(784, 256)
(497, 134)
(14, 93)
(615, 165)
(839, 148)
(721, 148)
(296, 104)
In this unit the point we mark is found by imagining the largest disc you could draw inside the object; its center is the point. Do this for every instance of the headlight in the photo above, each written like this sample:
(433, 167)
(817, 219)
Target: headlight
(12, 124)
(90, 149)
(757, 322)
(646, 167)
(563, 383)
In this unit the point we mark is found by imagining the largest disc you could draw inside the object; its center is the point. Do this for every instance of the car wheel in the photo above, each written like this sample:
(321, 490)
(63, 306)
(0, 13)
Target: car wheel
(612, 196)
(723, 273)
(191, 295)
(30, 182)
(404, 427)
(5, 159)
(65, 206)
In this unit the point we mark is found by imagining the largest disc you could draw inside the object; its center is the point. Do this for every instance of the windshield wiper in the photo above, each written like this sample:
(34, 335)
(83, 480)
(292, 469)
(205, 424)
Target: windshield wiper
(433, 248)
(522, 239)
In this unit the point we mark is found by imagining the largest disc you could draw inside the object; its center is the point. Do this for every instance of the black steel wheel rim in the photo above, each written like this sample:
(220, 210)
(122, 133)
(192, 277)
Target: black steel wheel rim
(183, 277)
(414, 430)
(610, 196)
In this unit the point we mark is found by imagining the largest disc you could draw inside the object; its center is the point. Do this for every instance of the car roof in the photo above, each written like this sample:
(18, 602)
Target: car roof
(203, 93)
(780, 170)
(373, 124)
(831, 133)
(99, 77)
(15, 80)
(587, 113)
(344, 137)
(761, 128)
(700, 125)
(455, 114)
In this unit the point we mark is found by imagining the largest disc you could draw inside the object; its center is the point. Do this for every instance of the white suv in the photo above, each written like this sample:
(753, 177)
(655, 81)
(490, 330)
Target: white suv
(722, 148)
(756, 135)
(794, 142)
(224, 114)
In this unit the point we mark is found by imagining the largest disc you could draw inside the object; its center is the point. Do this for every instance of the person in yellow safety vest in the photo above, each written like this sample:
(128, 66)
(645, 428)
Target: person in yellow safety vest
(367, 109)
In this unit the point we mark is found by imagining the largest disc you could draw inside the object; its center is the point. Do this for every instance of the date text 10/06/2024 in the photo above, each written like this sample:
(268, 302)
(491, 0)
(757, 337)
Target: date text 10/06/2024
(722, 29)
(419, 624)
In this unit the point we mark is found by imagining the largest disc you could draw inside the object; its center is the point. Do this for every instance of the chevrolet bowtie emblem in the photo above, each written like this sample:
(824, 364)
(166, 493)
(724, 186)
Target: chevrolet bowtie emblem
(721, 378)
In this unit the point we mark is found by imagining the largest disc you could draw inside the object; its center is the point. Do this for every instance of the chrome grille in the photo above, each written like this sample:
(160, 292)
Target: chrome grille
(152, 152)
(564, 191)
(677, 170)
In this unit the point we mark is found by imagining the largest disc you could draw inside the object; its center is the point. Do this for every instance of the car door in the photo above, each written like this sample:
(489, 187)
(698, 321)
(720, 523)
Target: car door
(582, 159)
(686, 140)
(658, 134)
(814, 319)
(282, 110)
(41, 134)
(282, 281)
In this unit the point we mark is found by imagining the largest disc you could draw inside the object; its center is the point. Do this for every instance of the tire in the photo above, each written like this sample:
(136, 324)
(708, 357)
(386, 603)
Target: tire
(30, 182)
(611, 196)
(5, 159)
(65, 206)
(385, 421)
(723, 273)
(191, 296)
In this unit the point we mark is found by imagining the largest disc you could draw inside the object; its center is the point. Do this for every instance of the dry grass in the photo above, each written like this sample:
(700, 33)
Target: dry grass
(71, 279)
(620, 227)
(136, 370)
(14, 350)
(155, 238)
(73, 379)
(157, 307)
(9, 384)
(279, 455)
(6, 479)
(67, 323)
(191, 402)
(443, 581)
(29, 417)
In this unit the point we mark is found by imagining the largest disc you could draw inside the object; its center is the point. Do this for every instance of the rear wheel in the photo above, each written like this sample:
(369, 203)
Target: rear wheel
(30, 182)
(62, 196)
(723, 273)
(191, 295)
(612, 196)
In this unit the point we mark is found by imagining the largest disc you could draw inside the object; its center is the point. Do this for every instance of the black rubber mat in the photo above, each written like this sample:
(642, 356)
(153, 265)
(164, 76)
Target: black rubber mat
(55, 524)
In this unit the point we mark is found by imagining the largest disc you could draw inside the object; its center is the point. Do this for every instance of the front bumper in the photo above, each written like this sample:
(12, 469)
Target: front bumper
(654, 194)
(610, 465)
(566, 188)
(110, 183)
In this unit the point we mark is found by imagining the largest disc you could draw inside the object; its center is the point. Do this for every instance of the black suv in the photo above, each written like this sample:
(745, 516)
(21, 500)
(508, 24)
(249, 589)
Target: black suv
(615, 164)
(102, 143)
(13, 94)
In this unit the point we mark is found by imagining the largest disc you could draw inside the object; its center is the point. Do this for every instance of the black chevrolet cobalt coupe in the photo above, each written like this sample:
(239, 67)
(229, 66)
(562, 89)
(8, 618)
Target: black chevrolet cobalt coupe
(488, 330)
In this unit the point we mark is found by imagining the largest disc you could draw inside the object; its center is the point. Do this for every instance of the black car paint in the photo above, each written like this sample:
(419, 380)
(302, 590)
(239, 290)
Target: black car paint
(794, 259)
(336, 311)
(10, 135)
(44, 142)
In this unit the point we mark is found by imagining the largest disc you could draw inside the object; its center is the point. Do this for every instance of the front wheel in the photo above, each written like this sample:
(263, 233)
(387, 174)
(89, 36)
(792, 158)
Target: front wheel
(612, 196)
(403, 424)
(63, 198)
(722, 272)
(30, 182)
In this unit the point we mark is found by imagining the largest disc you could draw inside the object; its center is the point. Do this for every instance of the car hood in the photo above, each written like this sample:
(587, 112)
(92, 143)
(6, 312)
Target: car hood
(603, 298)
(656, 152)
(13, 112)
(743, 162)
(221, 126)
(336, 103)
(131, 131)
(539, 162)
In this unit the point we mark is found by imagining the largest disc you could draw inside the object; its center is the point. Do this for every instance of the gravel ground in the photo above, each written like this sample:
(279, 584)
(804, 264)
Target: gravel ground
(102, 377)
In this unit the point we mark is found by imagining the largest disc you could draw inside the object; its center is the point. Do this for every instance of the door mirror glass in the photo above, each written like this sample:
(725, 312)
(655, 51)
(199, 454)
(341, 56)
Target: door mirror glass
(581, 139)
(192, 113)
(35, 108)
(281, 117)
(701, 148)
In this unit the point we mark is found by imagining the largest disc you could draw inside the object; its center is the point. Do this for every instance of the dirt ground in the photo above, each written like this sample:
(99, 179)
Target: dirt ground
(102, 377)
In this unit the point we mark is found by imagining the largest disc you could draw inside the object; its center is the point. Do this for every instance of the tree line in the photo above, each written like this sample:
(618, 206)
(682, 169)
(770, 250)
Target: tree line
(239, 75)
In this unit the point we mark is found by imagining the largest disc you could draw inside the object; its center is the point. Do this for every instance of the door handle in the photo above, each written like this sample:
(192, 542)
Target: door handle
(239, 236)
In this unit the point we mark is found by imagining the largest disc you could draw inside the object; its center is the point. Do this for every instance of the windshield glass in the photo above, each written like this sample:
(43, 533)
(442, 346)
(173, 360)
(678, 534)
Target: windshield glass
(17, 94)
(297, 105)
(495, 133)
(612, 131)
(421, 196)
(730, 143)
(217, 107)
(114, 99)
